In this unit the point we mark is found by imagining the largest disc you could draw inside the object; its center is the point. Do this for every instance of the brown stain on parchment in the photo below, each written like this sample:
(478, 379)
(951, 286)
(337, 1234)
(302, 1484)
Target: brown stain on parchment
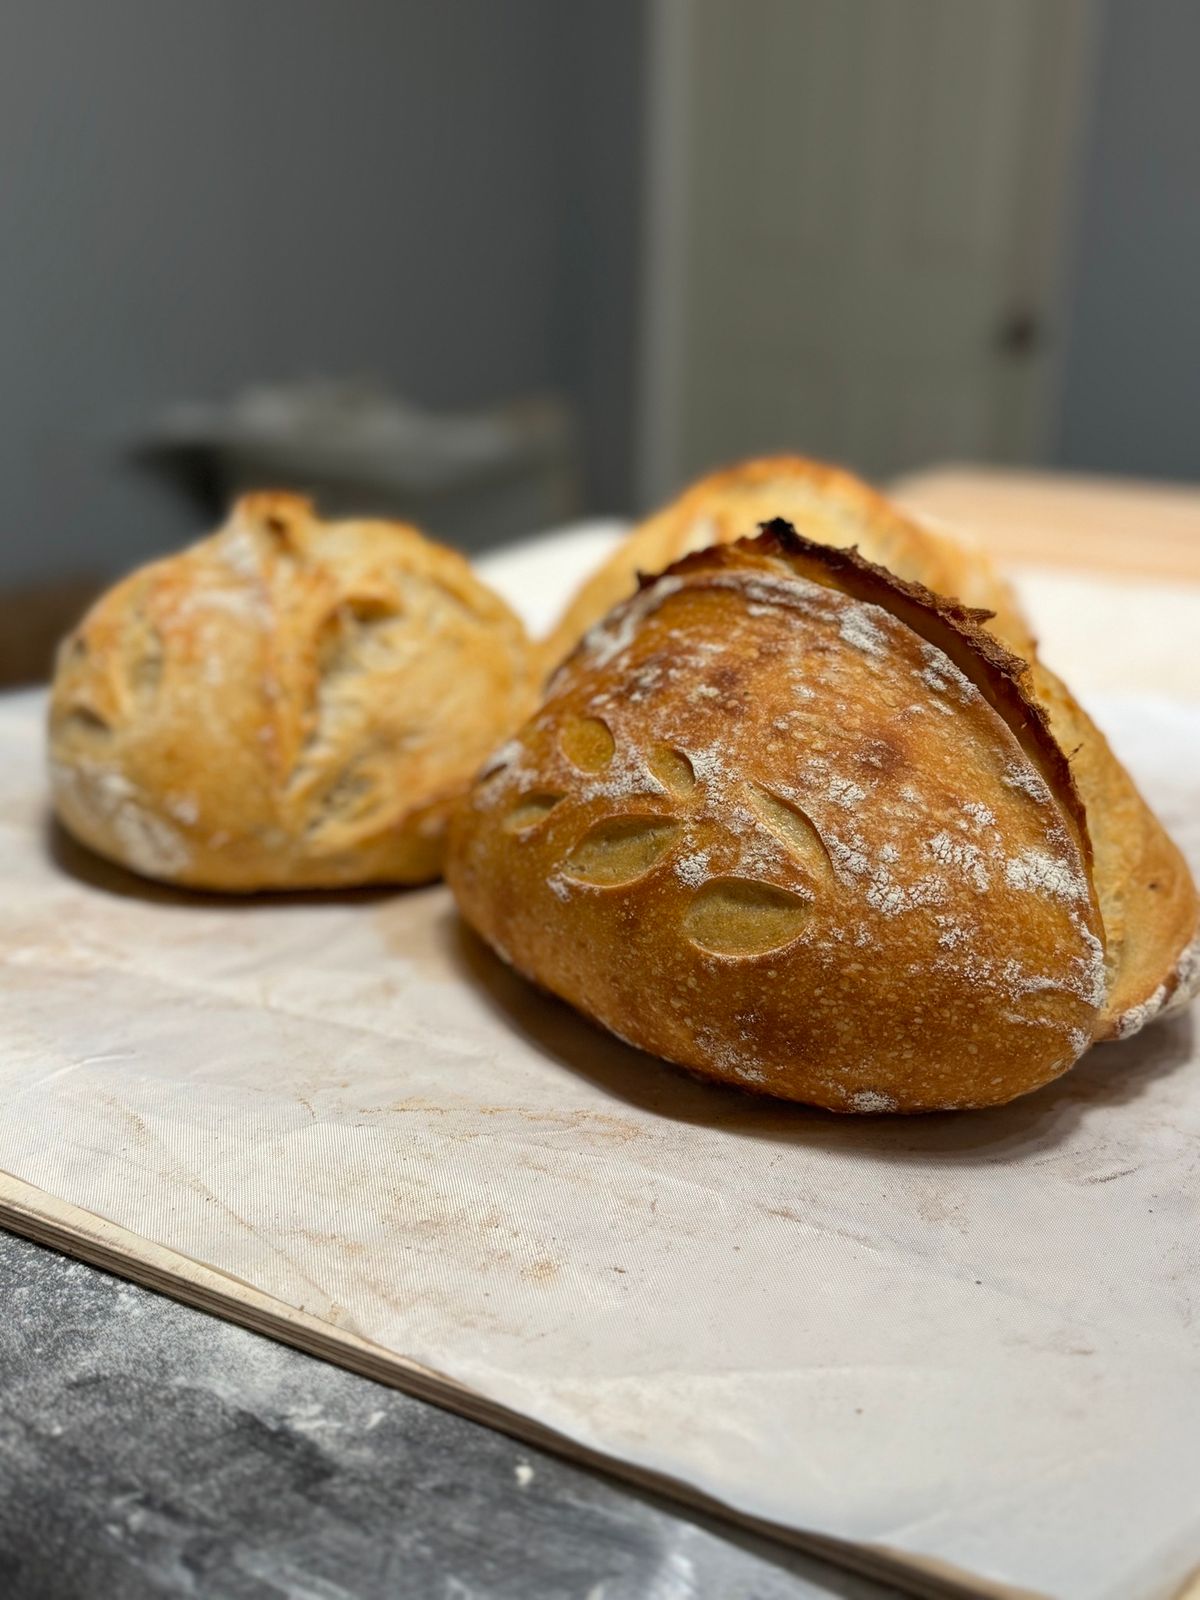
(326, 1241)
(596, 1126)
(543, 1270)
(137, 1129)
(483, 1241)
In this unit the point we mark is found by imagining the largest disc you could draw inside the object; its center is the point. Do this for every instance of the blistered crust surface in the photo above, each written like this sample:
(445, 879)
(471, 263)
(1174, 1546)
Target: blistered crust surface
(287, 703)
(766, 831)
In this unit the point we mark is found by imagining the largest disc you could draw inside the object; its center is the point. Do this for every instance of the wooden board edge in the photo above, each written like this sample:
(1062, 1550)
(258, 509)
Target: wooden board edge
(83, 1235)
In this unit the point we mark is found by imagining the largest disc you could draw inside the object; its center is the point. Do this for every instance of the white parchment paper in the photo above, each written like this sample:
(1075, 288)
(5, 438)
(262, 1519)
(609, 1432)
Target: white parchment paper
(966, 1338)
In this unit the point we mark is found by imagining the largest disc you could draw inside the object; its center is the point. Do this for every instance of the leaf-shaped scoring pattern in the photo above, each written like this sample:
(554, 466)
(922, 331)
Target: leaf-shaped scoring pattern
(529, 810)
(728, 915)
(672, 769)
(742, 917)
(587, 743)
(620, 850)
(792, 828)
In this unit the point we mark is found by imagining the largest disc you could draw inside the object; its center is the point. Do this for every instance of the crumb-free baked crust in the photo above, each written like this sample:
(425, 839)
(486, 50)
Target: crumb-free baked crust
(289, 703)
(1146, 893)
(795, 824)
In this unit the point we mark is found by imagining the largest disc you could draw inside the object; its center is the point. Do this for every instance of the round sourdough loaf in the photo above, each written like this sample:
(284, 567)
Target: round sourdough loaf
(287, 704)
(1147, 898)
(795, 824)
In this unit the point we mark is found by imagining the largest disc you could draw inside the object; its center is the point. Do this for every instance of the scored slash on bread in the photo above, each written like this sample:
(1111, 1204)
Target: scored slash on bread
(793, 822)
(1147, 898)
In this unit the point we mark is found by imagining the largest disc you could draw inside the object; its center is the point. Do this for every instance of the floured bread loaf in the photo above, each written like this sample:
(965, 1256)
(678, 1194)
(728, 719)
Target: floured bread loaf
(1145, 892)
(289, 703)
(823, 503)
(795, 824)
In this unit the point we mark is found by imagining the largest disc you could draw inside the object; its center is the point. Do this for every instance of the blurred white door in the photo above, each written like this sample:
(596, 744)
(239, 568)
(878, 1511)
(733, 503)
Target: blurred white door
(855, 225)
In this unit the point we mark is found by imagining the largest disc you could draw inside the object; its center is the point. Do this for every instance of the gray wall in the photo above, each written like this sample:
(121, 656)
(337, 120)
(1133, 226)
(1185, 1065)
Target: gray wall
(603, 85)
(193, 196)
(1131, 398)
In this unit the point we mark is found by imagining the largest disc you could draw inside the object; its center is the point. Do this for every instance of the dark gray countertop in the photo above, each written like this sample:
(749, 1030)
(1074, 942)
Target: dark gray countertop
(149, 1450)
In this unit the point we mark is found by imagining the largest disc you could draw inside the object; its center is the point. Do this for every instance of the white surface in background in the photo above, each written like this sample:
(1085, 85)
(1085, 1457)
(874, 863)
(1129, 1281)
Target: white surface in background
(1115, 635)
(1104, 634)
(538, 576)
(968, 1338)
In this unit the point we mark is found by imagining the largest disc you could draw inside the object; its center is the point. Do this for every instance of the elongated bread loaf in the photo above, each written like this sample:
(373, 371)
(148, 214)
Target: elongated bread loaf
(288, 704)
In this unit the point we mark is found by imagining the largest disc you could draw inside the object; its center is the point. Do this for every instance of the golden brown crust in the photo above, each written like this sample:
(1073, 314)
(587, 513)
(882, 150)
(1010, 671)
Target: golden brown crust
(956, 630)
(766, 828)
(1149, 902)
(1147, 897)
(825, 504)
(289, 703)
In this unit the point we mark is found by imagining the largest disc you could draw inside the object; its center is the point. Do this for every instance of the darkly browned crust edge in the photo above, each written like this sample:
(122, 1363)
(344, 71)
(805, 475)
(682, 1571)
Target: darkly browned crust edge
(999, 675)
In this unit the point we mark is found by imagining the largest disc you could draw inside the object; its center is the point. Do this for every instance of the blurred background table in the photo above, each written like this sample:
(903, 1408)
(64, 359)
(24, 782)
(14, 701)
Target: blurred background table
(1058, 519)
(1108, 569)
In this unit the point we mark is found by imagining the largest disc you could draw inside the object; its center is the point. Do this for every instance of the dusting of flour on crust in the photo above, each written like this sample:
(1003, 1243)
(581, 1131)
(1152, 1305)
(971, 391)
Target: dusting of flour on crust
(844, 793)
(1036, 870)
(1136, 1018)
(693, 869)
(1025, 779)
(504, 757)
(964, 857)
(614, 635)
(859, 628)
(939, 674)
(1169, 996)
(148, 843)
(872, 1100)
